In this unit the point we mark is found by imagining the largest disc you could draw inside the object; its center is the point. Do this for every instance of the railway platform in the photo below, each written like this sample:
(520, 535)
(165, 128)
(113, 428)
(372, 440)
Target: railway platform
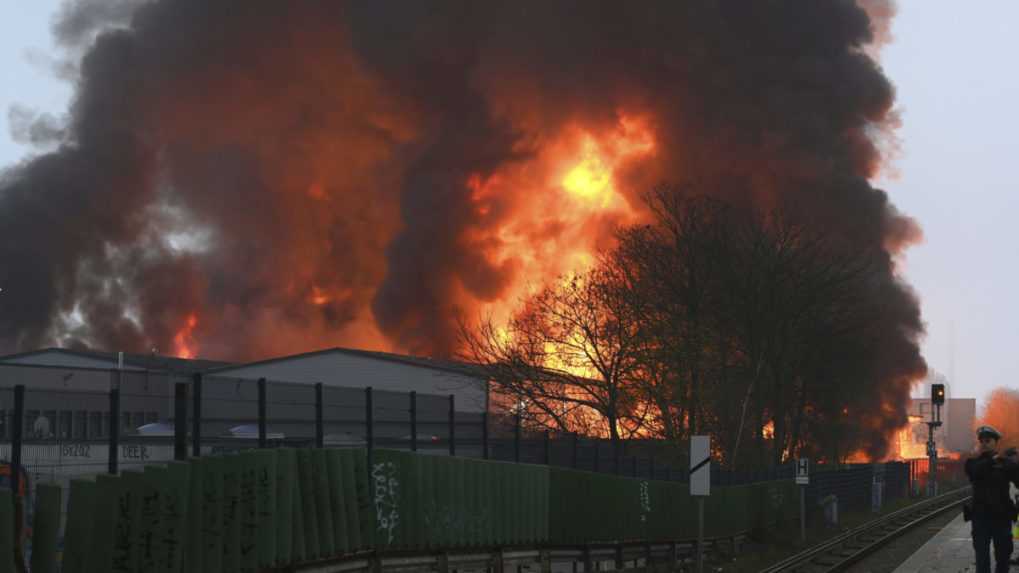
(949, 551)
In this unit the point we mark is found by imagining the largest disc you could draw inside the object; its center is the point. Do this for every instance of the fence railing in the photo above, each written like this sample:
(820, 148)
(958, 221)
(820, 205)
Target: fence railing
(81, 421)
(62, 423)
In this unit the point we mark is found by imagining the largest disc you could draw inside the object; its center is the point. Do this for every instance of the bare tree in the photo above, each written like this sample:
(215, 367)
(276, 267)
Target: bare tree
(568, 358)
(764, 329)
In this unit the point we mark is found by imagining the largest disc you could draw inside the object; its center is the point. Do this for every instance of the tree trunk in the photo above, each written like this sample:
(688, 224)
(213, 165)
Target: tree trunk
(798, 419)
(759, 428)
(694, 399)
(779, 419)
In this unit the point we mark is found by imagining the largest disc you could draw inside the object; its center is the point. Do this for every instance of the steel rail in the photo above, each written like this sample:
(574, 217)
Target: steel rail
(840, 552)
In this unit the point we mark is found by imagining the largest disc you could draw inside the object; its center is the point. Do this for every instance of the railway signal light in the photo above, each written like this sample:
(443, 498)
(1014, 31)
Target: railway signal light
(938, 394)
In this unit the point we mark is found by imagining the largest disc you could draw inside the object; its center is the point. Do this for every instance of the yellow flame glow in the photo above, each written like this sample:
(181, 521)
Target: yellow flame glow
(591, 179)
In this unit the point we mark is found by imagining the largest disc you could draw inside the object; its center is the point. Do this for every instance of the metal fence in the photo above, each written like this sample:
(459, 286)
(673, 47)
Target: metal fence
(60, 423)
(75, 422)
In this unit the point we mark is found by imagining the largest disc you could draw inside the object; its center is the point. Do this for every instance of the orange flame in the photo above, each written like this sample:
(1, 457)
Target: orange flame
(585, 202)
(318, 296)
(184, 342)
(859, 457)
(577, 174)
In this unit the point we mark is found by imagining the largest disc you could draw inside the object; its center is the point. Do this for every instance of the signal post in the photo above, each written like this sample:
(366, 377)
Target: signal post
(803, 480)
(937, 400)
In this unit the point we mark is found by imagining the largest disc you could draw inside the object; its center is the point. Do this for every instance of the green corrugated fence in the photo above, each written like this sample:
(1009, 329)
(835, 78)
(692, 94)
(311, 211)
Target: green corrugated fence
(272, 508)
(431, 501)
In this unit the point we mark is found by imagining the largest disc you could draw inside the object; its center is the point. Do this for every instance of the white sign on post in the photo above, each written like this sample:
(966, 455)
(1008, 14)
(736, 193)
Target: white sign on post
(700, 465)
(802, 471)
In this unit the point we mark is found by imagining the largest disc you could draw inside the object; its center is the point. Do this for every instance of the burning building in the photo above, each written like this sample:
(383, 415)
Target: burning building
(241, 183)
(955, 435)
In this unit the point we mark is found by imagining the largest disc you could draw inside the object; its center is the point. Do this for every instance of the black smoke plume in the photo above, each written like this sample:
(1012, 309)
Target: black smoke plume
(296, 174)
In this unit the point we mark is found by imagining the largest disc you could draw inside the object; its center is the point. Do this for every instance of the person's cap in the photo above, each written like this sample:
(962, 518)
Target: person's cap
(989, 432)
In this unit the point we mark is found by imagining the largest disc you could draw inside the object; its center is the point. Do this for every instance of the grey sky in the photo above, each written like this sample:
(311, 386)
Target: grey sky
(949, 62)
(25, 43)
(954, 172)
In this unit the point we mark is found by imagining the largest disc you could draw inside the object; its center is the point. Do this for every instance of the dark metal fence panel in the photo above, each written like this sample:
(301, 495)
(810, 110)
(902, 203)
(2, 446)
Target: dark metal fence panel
(854, 484)
(229, 419)
(68, 409)
(290, 413)
(343, 411)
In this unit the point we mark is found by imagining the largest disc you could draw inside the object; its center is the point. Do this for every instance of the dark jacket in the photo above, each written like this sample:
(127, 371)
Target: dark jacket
(990, 478)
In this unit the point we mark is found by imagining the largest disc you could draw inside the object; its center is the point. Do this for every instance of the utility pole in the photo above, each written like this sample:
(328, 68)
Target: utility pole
(937, 400)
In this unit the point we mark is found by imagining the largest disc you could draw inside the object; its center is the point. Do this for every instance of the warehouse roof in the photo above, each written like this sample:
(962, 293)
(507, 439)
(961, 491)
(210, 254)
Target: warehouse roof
(162, 363)
(152, 362)
(420, 361)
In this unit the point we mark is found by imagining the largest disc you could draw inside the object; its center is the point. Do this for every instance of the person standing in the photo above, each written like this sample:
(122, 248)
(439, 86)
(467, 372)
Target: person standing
(992, 512)
(1012, 455)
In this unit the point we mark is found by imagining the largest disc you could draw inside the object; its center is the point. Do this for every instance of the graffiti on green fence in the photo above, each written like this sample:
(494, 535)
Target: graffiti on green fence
(387, 498)
(777, 497)
(645, 501)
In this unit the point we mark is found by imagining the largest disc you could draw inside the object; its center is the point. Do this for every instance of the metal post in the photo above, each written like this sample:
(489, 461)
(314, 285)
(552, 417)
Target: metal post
(484, 435)
(803, 513)
(369, 420)
(934, 467)
(180, 421)
(320, 429)
(700, 534)
(413, 421)
(114, 424)
(576, 450)
(16, 438)
(262, 431)
(452, 425)
(196, 415)
(548, 449)
(932, 452)
(516, 439)
(930, 459)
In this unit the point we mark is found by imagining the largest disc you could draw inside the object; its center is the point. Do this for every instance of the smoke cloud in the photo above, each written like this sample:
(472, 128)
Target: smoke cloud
(304, 174)
(1001, 411)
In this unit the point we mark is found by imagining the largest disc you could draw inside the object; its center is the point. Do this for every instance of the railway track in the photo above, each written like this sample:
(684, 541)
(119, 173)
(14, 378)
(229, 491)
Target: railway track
(839, 553)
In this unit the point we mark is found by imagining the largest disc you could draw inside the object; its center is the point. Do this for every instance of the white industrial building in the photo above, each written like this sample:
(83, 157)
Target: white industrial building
(379, 370)
(67, 404)
(65, 390)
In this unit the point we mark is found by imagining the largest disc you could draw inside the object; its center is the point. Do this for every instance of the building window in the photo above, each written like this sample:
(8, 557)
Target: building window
(47, 426)
(151, 417)
(65, 425)
(30, 418)
(94, 426)
(80, 425)
(139, 420)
